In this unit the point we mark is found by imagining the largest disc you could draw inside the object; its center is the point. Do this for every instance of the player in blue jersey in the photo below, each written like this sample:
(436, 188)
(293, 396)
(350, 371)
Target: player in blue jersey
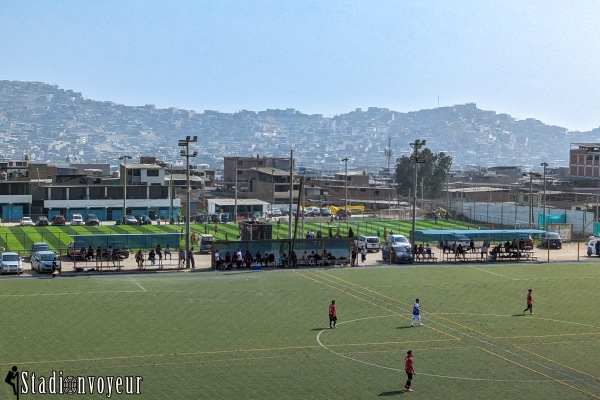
(416, 313)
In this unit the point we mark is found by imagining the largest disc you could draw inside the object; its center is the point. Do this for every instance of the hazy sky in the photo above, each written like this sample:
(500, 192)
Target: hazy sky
(538, 59)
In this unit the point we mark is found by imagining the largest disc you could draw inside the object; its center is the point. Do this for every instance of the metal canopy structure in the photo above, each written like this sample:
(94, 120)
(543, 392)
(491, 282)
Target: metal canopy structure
(475, 234)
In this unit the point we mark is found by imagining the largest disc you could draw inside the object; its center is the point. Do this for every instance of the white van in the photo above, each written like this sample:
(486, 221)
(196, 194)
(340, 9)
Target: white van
(371, 243)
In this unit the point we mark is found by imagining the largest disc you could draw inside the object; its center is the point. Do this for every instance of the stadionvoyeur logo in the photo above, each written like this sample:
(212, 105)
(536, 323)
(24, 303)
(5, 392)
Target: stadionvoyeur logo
(59, 383)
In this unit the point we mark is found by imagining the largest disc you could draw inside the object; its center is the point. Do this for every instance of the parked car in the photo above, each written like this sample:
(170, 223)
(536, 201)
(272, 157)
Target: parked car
(400, 240)
(59, 220)
(39, 246)
(450, 240)
(312, 211)
(144, 220)
(325, 212)
(118, 247)
(551, 240)
(26, 221)
(399, 253)
(371, 243)
(92, 220)
(42, 220)
(42, 261)
(276, 212)
(527, 240)
(200, 218)
(130, 220)
(76, 219)
(74, 250)
(10, 262)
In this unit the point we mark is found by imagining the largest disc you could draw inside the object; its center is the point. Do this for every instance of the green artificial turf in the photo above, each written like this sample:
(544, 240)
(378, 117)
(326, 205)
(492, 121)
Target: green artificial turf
(264, 334)
(20, 239)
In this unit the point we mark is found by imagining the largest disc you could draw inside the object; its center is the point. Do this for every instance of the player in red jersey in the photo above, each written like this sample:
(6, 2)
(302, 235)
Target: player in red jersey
(332, 314)
(408, 368)
(529, 302)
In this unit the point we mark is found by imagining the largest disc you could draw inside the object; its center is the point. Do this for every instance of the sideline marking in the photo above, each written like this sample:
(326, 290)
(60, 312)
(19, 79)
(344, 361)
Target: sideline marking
(141, 287)
(555, 362)
(539, 373)
(529, 317)
(493, 273)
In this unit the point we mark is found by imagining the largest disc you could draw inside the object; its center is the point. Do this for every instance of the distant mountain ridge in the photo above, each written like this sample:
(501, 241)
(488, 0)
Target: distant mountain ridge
(50, 124)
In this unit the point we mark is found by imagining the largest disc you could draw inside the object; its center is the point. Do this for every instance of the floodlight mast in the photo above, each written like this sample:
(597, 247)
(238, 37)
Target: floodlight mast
(544, 165)
(186, 153)
(124, 158)
(417, 160)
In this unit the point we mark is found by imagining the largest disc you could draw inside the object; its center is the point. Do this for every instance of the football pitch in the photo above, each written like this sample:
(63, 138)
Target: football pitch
(265, 334)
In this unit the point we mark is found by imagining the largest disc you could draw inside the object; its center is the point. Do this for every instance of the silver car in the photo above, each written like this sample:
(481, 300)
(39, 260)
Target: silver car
(41, 261)
(10, 262)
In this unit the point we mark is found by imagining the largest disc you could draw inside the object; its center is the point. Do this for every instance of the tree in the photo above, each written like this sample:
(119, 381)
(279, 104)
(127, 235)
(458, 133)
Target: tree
(433, 173)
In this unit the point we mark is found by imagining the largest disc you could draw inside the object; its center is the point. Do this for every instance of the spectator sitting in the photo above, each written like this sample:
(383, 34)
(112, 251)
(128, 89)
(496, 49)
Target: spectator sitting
(228, 260)
(460, 250)
(428, 250)
(248, 259)
(152, 256)
(420, 251)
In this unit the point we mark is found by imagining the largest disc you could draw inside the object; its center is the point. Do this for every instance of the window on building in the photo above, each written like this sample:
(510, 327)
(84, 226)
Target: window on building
(152, 172)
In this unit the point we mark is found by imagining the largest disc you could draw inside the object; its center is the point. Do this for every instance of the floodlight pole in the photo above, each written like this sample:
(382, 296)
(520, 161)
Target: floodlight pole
(530, 200)
(235, 189)
(186, 153)
(124, 158)
(544, 209)
(417, 160)
(345, 160)
(273, 188)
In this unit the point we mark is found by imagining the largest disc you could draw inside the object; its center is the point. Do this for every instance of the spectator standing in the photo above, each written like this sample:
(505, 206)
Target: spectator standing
(191, 257)
(181, 258)
(363, 255)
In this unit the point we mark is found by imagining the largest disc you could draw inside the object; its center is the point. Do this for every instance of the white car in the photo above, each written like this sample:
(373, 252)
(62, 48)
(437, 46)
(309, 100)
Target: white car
(10, 262)
(27, 221)
(371, 243)
(400, 240)
(77, 219)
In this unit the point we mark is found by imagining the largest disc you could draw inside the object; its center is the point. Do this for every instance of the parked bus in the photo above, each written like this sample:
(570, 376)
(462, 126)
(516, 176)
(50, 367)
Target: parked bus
(206, 242)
